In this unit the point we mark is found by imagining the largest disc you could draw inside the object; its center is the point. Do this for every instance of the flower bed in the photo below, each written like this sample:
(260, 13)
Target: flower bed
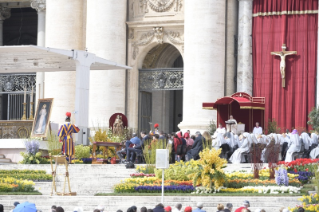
(10, 184)
(26, 174)
(302, 164)
(169, 189)
(25, 171)
(35, 175)
(136, 175)
(129, 185)
(263, 189)
(310, 203)
(207, 175)
(263, 175)
(239, 183)
(233, 185)
(303, 176)
(305, 168)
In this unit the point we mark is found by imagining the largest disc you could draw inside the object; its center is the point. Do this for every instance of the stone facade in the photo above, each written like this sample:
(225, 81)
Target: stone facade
(147, 34)
(150, 24)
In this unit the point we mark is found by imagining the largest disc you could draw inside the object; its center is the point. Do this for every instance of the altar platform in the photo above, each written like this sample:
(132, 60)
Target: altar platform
(13, 133)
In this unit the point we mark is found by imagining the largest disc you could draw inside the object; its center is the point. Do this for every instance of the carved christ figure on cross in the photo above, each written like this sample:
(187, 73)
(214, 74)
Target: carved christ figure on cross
(283, 55)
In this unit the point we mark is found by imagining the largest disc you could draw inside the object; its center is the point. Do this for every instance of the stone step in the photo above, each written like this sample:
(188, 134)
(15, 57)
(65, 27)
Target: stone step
(112, 203)
(45, 188)
(75, 168)
(5, 160)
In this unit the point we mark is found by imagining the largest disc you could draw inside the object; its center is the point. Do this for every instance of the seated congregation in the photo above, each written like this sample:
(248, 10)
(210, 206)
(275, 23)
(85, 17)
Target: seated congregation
(236, 148)
(181, 146)
(257, 147)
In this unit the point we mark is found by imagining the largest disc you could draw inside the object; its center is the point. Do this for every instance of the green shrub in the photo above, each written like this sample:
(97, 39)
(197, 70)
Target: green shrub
(82, 151)
(272, 126)
(54, 144)
(314, 119)
(178, 171)
(212, 127)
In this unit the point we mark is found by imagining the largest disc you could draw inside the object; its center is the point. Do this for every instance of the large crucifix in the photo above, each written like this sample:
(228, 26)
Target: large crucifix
(283, 55)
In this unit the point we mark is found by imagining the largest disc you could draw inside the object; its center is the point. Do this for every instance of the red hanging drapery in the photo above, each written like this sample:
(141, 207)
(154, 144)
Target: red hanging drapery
(294, 23)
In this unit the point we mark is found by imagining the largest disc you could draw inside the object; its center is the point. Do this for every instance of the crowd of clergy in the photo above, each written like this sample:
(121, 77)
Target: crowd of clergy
(237, 147)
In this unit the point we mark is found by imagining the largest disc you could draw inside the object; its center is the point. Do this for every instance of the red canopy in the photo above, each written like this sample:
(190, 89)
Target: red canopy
(245, 102)
(244, 108)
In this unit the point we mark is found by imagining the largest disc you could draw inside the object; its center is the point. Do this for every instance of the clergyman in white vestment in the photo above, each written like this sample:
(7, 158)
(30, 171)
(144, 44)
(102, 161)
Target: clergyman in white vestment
(218, 137)
(233, 127)
(295, 145)
(258, 130)
(236, 157)
(314, 140)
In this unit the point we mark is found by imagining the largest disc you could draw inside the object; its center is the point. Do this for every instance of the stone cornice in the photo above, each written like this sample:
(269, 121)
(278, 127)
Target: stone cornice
(38, 5)
(157, 33)
(155, 23)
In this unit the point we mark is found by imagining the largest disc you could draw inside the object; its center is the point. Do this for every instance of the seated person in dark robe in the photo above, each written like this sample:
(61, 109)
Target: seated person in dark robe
(197, 147)
(137, 148)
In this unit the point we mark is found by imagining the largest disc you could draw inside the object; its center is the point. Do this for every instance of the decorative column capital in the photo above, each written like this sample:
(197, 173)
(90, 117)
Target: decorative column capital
(5, 13)
(38, 5)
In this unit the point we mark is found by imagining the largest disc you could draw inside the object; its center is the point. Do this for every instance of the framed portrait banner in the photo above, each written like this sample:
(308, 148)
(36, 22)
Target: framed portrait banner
(42, 117)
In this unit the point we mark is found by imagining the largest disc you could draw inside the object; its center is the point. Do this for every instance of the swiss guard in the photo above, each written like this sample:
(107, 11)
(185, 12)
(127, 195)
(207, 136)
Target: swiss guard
(156, 131)
(65, 135)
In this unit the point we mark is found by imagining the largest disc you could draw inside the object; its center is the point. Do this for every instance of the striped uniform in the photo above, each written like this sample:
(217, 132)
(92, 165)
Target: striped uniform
(65, 135)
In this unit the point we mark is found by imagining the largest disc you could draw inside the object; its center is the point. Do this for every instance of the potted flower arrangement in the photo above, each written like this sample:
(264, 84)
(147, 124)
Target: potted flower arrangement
(32, 154)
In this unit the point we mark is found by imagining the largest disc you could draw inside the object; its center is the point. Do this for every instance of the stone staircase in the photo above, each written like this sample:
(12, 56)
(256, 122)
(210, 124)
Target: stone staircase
(113, 203)
(4, 160)
(88, 180)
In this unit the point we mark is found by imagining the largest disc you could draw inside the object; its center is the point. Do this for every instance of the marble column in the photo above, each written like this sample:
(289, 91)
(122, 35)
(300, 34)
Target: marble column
(5, 13)
(317, 90)
(64, 29)
(245, 62)
(204, 61)
(231, 64)
(40, 6)
(106, 37)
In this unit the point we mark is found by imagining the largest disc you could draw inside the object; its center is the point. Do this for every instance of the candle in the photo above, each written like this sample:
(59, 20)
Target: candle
(25, 95)
(31, 95)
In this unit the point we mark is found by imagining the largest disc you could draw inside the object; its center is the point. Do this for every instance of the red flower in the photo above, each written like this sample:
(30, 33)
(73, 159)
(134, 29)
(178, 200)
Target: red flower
(307, 169)
(295, 170)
